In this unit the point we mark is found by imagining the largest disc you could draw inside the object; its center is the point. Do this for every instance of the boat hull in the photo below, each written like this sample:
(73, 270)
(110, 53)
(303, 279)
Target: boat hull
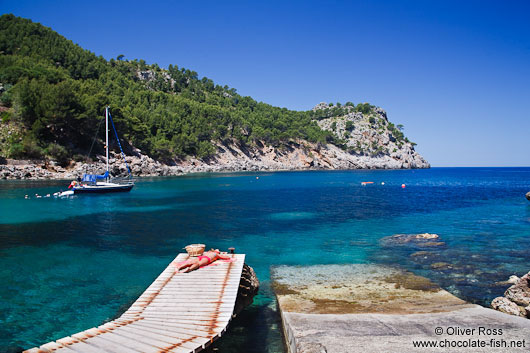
(103, 189)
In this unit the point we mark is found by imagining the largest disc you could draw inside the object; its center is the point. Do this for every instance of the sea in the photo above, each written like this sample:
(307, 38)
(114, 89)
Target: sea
(68, 264)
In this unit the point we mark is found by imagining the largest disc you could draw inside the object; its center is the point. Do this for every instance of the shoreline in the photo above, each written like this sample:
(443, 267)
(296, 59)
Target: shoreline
(70, 174)
(230, 158)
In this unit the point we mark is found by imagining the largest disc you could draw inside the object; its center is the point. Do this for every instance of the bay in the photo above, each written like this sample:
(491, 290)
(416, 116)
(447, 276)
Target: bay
(70, 264)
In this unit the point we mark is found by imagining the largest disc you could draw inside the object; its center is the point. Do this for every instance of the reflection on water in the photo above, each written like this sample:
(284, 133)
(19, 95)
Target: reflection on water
(100, 252)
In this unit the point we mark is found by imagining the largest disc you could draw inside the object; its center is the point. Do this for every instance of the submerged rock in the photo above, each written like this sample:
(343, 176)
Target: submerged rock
(427, 236)
(360, 288)
(415, 240)
(441, 266)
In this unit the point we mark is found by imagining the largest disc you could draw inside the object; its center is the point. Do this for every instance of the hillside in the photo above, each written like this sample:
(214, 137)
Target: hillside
(53, 93)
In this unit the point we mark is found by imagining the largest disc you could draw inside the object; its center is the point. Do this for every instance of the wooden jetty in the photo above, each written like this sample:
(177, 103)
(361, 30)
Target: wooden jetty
(179, 312)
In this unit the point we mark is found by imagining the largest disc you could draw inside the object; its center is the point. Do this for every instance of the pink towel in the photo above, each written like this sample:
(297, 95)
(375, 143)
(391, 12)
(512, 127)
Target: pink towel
(177, 264)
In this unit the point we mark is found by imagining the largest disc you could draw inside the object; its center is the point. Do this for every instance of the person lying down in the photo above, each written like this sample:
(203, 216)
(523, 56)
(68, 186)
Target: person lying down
(206, 258)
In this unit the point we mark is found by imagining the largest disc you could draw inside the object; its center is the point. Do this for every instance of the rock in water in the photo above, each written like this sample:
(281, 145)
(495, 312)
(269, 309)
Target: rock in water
(516, 300)
(412, 240)
(519, 293)
(248, 288)
(528, 195)
(506, 306)
(513, 279)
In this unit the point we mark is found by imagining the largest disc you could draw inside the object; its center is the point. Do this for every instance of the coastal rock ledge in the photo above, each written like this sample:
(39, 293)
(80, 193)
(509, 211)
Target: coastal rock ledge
(374, 308)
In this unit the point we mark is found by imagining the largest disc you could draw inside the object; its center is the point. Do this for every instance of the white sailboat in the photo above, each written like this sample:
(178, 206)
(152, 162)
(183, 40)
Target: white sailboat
(93, 183)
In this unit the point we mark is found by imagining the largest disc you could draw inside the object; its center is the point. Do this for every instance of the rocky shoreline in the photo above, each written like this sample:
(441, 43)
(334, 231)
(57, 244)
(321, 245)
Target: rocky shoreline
(516, 299)
(232, 157)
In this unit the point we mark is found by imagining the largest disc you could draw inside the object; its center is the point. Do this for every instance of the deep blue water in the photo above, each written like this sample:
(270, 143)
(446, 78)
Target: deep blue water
(70, 264)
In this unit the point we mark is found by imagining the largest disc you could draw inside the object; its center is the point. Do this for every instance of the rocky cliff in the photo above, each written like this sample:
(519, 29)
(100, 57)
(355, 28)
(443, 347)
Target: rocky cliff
(370, 134)
(369, 141)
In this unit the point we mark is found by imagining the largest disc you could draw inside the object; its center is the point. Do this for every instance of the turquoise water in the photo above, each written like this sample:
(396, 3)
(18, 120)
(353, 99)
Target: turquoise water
(70, 264)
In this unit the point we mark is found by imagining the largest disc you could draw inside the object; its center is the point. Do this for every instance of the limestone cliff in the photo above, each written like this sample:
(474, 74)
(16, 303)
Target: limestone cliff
(371, 134)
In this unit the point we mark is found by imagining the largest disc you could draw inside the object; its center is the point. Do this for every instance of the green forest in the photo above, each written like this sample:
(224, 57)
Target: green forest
(53, 94)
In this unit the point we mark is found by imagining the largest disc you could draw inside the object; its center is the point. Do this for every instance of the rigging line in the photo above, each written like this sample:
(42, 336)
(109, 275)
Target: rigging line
(93, 141)
(119, 144)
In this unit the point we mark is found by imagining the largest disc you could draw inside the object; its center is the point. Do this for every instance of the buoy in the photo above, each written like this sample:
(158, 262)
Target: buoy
(257, 178)
(528, 195)
(403, 186)
(382, 183)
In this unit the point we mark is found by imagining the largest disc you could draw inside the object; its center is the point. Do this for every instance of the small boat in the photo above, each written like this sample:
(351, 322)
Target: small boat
(97, 184)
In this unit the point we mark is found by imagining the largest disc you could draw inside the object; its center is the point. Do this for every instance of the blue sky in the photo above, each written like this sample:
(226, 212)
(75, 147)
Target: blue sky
(456, 74)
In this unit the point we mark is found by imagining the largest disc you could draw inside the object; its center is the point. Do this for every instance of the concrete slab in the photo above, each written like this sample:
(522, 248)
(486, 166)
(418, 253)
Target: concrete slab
(371, 308)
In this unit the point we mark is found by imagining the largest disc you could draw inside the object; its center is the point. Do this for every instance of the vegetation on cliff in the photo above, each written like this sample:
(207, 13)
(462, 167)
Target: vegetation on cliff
(53, 93)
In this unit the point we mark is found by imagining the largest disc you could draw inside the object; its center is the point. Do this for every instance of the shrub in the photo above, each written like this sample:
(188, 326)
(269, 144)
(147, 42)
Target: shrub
(364, 108)
(349, 125)
(372, 120)
(205, 150)
(31, 149)
(6, 116)
(58, 153)
(16, 150)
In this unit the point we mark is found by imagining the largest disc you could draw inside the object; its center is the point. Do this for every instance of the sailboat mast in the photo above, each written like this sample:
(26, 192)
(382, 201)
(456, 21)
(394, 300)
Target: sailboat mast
(107, 138)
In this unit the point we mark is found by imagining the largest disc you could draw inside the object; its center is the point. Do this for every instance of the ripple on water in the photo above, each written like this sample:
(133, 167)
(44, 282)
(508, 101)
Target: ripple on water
(290, 216)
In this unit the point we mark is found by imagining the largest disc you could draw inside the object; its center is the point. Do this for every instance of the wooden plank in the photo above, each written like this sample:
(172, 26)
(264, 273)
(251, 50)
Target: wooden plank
(186, 320)
(192, 325)
(66, 349)
(138, 336)
(175, 326)
(82, 347)
(164, 338)
(172, 329)
(187, 297)
(183, 294)
(208, 313)
(51, 346)
(65, 341)
(120, 343)
(183, 304)
(213, 282)
(176, 302)
(183, 317)
(106, 345)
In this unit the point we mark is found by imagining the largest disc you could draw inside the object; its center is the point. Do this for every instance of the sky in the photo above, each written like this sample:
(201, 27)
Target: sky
(456, 74)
